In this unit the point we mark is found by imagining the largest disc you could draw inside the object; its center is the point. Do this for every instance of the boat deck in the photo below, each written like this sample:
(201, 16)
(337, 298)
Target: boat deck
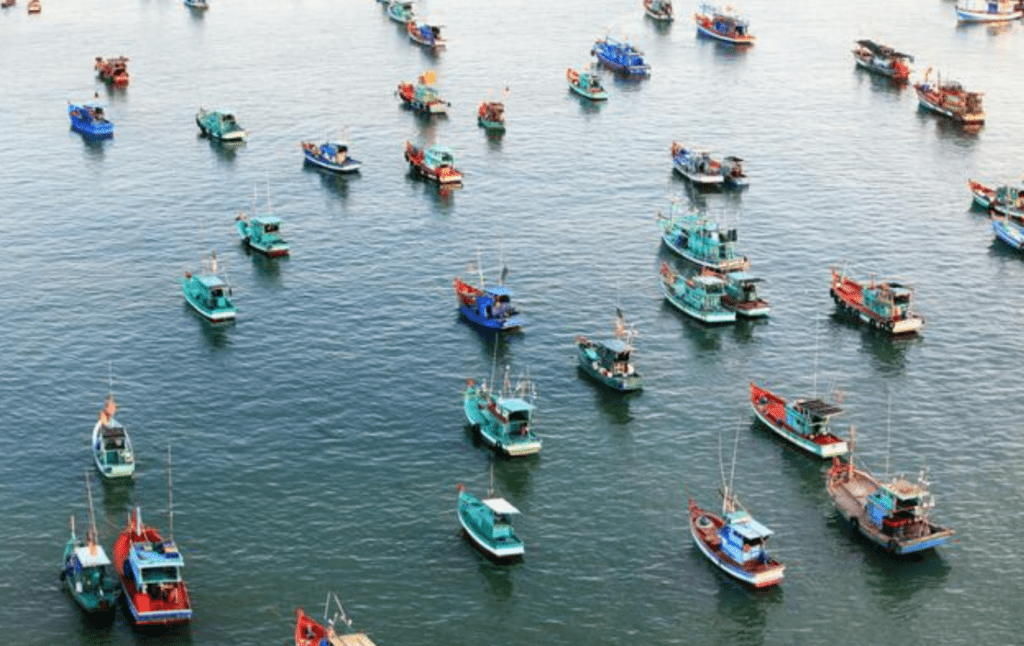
(850, 496)
(354, 639)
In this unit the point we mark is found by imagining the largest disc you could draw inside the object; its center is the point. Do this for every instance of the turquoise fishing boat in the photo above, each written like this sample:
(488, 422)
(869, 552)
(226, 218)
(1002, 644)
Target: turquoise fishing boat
(802, 422)
(491, 115)
(87, 572)
(586, 83)
(488, 524)
(503, 419)
(220, 125)
(741, 294)
(90, 119)
(208, 293)
(262, 232)
(609, 361)
(701, 241)
(697, 296)
(401, 11)
(111, 446)
(660, 10)
(422, 96)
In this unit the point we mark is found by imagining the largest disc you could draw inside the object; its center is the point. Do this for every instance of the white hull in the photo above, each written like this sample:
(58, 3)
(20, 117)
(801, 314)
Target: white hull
(966, 15)
(500, 553)
(759, 580)
(114, 470)
(704, 179)
(820, 450)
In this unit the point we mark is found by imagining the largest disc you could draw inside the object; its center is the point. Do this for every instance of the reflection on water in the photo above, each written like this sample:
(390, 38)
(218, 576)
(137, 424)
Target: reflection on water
(95, 147)
(879, 82)
(705, 338)
(613, 404)
(498, 576)
(266, 271)
(742, 612)
(512, 478)
(217, 335)
(336, 183)
(118, 498)
(225, 150)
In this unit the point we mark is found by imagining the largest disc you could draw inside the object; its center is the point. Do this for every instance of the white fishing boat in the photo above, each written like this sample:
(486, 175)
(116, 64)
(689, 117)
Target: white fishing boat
(988, 10)
(111, 446)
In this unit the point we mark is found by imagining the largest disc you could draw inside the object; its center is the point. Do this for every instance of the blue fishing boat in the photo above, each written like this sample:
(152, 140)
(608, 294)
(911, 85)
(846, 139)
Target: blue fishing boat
(697, 296)
(723, 24)
(220, 124)
(701, 241)
(426, 35)
(893, 514)
(87, 572)
(586, 83)
(502, 419)
(702, 169)
(208, 293)
(488, 523)
(401, 11)
(620, 55)
(262, 232)
(111, 445)
(90, 119)
(802, 422)
(659, 10)
(332, 155)
(489, 307)
(609, 361)
(422, 96)
(735, 543)
(1009, 231)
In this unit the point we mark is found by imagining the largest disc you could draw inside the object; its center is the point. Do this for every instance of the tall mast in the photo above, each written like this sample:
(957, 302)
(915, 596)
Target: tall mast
(170, 495)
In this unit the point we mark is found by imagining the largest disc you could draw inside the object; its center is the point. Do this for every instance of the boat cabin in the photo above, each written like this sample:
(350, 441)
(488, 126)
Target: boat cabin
(614, 353)
(498, 524)
(114, 443)
(216, 292)
(155, 565)
(335, 151)
(743, 286)
(893, 505)
(889, 300)
(518, 413)
(743, 539)
(265, 229)
(438, 156)
(809, 417)
(88, 563)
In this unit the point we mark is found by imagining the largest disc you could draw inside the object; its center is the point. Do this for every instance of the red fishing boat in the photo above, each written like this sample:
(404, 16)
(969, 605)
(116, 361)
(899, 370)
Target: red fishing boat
(150, 572)
(435, 163)
(950, 99)
(881, 304)
(113, 70)
(310, 632)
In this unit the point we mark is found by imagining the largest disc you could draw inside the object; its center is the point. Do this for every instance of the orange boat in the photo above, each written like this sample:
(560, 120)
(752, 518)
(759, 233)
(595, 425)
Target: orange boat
(310, 632)
(113, 70)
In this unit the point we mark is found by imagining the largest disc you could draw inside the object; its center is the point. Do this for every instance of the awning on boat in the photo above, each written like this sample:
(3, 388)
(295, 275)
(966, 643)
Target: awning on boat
(516, 405)
(751, 530)
(819, 407)
(500, 506)
(499, 290)
(883, 50)
(94, 557)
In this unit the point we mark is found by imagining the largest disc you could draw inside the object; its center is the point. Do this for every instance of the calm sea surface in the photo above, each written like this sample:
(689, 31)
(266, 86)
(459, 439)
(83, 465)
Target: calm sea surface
(318, 442)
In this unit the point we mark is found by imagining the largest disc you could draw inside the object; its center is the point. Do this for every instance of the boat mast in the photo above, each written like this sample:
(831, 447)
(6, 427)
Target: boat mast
(170, 495)
(91, 535)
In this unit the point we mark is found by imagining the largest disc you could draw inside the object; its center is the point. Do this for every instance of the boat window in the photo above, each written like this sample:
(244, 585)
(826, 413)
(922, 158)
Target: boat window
(519, 416)
(159, 574)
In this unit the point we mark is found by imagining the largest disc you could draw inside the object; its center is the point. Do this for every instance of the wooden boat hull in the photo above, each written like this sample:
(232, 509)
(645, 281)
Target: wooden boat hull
(983, 196)
(703, 528)
(868, 63)
(705, 28)
(770, 409)
(928, 103)
(701, 179)
(747, 309)
(847, 295)
(849, 487)
(350, 165)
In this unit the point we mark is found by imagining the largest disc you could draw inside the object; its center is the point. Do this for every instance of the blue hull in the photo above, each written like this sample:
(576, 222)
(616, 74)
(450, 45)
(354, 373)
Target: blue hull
(1010, 233)
(510, 323)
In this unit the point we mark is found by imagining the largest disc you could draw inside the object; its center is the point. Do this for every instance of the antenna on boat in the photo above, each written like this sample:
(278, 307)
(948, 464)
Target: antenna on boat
(494, 362)
(888, 434)
(91, 535)
(170, 496)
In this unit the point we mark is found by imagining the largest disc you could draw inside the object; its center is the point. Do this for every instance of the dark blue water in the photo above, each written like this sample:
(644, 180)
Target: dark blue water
(318, 442)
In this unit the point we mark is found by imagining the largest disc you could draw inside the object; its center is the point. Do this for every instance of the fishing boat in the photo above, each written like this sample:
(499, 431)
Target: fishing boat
(90, 119)
(436, 163)
(220, 124)
(336, 631)
(983, 195)
(422, 96)
(700, 240)
(802, 422)
(35, 6)
(262, 232)
(883, 60)
(620, 56)
(1009, 231)
(401, 11)
(332, 155)
(197, 4)
(586, 83)
(735, 543)
(113, 70)
(426, 35)
(208, 293)
(697, 166)
(489, 306)
(491, 115)
(111, 445)
(609, 361)
(87, 572)
(150, 570)
(502, 419)
(988, 10)
(881, 304)
(1005, 200)
(698, 296)
(951, 100)
(723, 24)
(741, 293)
(733, 172)
(7, 3)
(892, 514)
(488, 524)
(659, 10)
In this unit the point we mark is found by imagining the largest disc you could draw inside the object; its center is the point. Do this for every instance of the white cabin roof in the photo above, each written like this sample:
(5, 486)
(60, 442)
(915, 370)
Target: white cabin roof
(500, 506)
(91, 557)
